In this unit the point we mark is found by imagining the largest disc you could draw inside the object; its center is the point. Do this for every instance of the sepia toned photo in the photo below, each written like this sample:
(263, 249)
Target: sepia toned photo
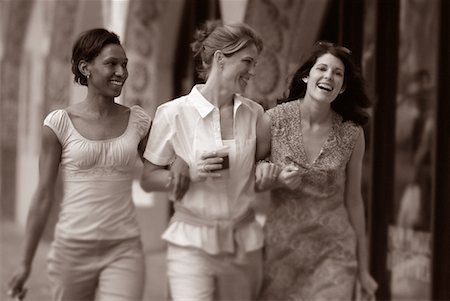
(266, 150)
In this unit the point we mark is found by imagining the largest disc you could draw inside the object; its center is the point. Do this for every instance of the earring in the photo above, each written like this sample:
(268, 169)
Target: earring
(221, 65)
(88, 75)
(305, 80)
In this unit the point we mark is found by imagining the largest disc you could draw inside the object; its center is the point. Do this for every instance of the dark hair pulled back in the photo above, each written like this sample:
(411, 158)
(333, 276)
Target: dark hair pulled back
(87, 47)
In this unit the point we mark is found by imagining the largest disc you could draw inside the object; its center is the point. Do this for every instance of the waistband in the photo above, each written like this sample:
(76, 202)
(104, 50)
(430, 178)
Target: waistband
(225, 228)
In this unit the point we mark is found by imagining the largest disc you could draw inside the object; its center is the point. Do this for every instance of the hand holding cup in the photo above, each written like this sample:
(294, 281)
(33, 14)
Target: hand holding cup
(211, 163)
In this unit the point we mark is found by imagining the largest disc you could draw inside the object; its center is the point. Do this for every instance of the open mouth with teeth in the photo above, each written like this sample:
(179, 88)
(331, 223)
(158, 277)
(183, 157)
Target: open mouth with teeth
(325, 87)
(117, 83)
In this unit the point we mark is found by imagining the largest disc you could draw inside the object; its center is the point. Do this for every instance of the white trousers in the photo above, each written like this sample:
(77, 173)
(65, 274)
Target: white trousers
(198, 276)
(109, 270)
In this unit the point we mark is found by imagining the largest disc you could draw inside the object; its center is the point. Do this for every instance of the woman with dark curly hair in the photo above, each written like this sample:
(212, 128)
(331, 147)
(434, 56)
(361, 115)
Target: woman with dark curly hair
(315, 242)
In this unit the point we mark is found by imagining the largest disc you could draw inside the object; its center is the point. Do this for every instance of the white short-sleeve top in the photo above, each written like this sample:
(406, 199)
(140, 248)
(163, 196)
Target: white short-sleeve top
(97, 177)
(189, 126)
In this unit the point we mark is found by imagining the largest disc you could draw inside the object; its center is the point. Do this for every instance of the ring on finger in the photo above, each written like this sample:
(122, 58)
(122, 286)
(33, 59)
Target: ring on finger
(204, 167)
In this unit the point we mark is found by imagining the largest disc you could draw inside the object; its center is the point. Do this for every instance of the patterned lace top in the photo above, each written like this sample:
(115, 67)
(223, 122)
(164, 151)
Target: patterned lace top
(309, 237)
(97, 177)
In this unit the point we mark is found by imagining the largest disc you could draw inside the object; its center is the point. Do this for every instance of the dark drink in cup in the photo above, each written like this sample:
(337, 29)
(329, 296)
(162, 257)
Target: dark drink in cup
(226, 162)
(225, 170)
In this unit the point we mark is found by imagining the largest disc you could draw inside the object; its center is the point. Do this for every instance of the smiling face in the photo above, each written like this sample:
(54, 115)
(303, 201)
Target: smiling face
(239, 68)
(326, 78)
(108, 71)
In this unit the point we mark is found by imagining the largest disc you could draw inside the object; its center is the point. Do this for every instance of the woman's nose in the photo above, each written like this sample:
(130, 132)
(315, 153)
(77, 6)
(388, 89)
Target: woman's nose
(121, 71)
(328, 74)
(252, 70)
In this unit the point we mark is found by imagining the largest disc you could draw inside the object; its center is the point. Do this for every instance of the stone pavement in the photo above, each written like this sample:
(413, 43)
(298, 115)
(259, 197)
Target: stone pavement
(38, 287)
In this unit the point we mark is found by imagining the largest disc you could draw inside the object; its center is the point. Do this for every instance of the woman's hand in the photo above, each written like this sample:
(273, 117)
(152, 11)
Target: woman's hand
(368, 285)
(179, 175)
(16, 284)
(266, 175)
(290, 177)
(208, 163)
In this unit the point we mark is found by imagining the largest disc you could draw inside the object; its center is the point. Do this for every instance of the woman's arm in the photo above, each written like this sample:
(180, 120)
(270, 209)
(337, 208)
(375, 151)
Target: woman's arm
(155, 178)
(143, 144)
(41, 204)
(355, 207)
(263, 137)
(174, 178)
(265, 173)
(269, 175)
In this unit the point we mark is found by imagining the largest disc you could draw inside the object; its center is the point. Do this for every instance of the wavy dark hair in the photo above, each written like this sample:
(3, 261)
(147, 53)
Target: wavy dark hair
(87, 47)
(214, 35)
(351, 103)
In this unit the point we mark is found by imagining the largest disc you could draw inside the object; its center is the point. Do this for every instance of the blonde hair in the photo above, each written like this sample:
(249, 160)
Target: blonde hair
(229, 39)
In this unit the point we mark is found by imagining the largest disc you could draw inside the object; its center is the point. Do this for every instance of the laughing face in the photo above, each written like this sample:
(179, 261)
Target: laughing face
(326, 78)
(239, 68)
(109, 71)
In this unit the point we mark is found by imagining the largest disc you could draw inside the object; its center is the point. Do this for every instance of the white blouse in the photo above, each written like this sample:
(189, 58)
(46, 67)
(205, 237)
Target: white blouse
(187, 127)
(97, 178)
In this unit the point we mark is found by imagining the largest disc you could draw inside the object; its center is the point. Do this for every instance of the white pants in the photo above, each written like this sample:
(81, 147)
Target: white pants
(196, 275)
(109, 270)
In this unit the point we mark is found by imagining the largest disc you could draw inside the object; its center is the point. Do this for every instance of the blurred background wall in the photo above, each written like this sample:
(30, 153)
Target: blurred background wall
(395, 42)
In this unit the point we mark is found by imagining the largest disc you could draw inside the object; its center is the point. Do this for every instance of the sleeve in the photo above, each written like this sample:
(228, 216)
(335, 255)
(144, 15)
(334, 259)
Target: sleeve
(274, 116)
(58, 121)
(159, 149)
(259, 110)
(349, 134)
(142, 120)
(354, 132)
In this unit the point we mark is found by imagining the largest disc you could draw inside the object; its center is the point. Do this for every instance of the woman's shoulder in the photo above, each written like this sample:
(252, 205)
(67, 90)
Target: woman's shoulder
(140, 118)
(285, 106)
(59, 122)
(348, 131)
(56, 116)
(285, 110)
(139, 112)
(174, 107)
(253, 105)
(348, 126)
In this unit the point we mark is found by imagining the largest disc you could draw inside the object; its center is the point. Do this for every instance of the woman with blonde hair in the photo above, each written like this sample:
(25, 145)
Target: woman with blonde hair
(214, 250)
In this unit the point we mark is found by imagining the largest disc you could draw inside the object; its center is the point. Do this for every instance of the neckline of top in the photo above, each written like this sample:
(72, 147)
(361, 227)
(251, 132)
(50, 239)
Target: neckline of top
(100, 140)
(331, 133)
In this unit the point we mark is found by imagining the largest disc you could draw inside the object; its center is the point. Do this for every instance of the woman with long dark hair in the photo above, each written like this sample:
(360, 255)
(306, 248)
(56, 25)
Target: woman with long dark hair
(315, 242)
